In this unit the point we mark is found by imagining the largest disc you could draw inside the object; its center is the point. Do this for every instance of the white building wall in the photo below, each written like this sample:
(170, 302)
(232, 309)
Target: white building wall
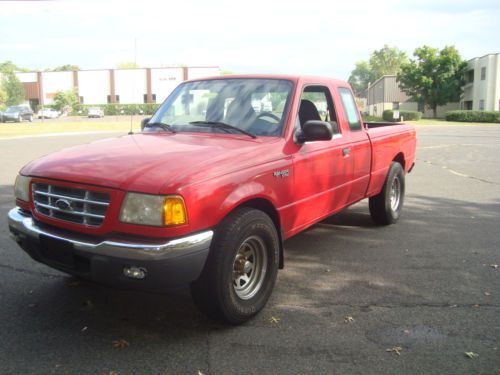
(164, 81)
(487, 90)
(27, 77)
(93, 86)
(201, 72)
(54, 82)
(130, 85)
(495, 78)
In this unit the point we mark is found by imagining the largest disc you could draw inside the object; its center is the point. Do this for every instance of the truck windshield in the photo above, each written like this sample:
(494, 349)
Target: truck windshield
(256, 107)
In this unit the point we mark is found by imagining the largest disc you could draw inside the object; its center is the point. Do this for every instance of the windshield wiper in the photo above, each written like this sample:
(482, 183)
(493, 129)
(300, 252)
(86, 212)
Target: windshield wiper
(160, 125)
(221, 125)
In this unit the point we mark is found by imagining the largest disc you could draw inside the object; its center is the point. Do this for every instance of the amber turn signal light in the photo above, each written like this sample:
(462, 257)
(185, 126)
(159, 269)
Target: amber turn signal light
(174, 211)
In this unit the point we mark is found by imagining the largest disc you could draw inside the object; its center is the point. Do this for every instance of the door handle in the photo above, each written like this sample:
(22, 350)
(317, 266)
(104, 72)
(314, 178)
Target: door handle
(346, 151)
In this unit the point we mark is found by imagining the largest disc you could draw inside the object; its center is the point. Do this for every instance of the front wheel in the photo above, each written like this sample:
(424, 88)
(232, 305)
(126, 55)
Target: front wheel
(385, 207)
(241, 269)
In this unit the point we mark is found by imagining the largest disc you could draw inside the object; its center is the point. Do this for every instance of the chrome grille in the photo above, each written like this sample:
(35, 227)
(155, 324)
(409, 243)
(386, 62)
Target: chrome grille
(70, 204)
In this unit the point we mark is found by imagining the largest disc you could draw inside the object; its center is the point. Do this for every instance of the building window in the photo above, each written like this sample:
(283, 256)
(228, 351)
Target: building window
(468, 105)
(469, 76)
(109, 99)
(483, 73)
(481, 105)
(395, 105)
(153, 98)
(81, 99)
(117, 98)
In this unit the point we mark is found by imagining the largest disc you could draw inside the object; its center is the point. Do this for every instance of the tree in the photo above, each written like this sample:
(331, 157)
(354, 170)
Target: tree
(127, 65)
(65, 101)
(385, 61)
(3, 96)
(13, 89)
(66, 68)
(435, 77)
(9, 66)
(360, 77)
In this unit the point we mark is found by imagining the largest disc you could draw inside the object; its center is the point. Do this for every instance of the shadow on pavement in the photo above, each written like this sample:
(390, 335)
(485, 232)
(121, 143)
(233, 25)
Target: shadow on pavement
(343, 265)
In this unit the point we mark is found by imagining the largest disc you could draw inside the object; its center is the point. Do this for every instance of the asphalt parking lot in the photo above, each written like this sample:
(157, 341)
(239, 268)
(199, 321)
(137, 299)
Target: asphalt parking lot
(350, 295)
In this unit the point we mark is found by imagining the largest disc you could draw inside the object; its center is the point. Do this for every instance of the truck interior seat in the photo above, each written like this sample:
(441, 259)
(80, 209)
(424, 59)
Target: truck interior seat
(240, 113)
(308, 111)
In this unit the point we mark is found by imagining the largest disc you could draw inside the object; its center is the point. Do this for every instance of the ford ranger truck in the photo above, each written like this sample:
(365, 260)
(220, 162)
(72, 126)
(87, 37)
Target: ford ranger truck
(205, 195)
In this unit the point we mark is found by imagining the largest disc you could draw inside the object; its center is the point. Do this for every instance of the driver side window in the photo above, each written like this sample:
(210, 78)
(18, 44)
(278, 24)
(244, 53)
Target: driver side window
(316, 104)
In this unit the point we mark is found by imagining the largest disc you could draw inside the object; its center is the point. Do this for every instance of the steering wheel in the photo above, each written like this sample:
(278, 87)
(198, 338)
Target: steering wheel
(268, 114)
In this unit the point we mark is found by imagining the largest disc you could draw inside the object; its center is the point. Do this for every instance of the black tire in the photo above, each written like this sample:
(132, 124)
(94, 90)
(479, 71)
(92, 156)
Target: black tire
(219, 292)
(385, 207)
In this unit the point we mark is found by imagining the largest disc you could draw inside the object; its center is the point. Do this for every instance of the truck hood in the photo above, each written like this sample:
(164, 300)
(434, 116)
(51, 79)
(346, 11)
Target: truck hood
(154, 162)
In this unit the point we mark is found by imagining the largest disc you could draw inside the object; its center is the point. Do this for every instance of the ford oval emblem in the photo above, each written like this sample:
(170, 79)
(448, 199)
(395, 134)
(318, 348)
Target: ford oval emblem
(64, 204)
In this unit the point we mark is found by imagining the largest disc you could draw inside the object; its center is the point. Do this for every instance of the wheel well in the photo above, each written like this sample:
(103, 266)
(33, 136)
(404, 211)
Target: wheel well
(267, 207)
(400, 159)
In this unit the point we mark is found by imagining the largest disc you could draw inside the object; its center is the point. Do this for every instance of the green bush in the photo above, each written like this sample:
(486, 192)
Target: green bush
(473, 116)
(388, 115)
(117, 109)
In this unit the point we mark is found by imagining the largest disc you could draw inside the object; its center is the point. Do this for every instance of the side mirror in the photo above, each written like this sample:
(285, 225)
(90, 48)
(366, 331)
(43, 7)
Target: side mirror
(144, 122)
(314, 130)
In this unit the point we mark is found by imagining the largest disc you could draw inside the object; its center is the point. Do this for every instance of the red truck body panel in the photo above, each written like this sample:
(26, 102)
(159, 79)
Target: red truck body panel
(215, 173)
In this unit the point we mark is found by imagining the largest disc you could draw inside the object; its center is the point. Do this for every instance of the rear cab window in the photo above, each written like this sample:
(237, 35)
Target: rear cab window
(350, 109)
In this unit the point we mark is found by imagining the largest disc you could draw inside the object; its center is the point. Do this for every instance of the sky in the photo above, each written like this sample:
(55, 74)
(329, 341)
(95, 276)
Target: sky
(260, 36)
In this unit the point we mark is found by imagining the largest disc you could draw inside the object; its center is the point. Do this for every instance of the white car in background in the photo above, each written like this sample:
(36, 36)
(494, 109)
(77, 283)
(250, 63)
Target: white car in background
(95, 112)
(48, 113)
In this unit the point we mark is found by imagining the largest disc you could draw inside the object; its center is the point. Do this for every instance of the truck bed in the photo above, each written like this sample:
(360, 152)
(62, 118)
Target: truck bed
(376, 124)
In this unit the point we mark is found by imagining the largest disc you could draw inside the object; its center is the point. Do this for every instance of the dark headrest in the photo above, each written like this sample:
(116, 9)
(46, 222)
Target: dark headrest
(308, 111)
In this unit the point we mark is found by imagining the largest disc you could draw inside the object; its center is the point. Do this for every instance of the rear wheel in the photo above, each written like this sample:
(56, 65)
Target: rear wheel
(385, 207)
(241, 269)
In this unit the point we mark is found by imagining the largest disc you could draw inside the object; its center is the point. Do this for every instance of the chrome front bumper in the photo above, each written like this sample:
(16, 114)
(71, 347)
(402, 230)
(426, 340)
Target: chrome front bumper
(165, 265)
(24, 225)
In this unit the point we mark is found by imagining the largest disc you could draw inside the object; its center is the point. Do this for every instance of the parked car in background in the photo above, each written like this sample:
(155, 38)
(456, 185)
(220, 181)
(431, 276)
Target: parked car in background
(95, 112)
(48, 113)
(17, 113)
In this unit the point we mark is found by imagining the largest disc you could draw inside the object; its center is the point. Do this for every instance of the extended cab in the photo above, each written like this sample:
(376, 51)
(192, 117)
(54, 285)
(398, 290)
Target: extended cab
(225, 171)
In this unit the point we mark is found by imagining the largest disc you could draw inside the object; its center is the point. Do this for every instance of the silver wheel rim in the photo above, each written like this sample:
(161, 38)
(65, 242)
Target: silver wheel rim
(249, 267)
(395, 194)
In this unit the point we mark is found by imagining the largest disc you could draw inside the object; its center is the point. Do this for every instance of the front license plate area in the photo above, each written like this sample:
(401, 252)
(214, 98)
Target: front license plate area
(58, 251)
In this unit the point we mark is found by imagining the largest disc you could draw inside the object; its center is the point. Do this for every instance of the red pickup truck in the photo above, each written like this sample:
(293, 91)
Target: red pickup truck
(225, 171)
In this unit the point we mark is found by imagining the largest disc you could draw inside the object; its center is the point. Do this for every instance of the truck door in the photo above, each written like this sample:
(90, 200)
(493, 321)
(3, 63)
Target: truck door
(359, 145)
(322, 169)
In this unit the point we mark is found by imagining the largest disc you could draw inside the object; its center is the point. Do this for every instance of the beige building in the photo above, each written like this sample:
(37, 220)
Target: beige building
(482, 87)
(385, 93)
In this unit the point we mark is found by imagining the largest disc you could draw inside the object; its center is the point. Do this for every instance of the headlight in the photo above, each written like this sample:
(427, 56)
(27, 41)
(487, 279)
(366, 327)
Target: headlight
(22, 188)
(157, 210)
